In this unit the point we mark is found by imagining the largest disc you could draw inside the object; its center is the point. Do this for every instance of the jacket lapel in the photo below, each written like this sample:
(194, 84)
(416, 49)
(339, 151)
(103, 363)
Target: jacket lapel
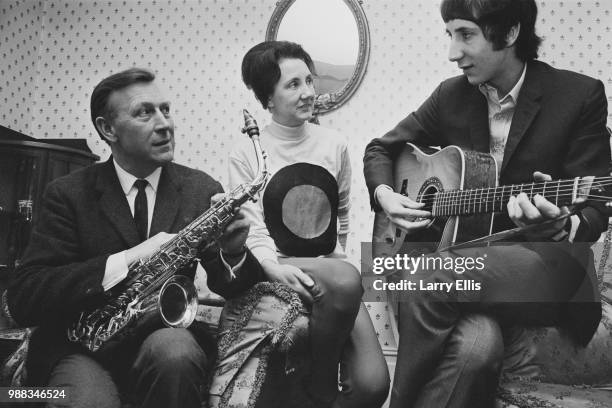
(526, 110)
(167, 201)
(479, 121)
(114, 204)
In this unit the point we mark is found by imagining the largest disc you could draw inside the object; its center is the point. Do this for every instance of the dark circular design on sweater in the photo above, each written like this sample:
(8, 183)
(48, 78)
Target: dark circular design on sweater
(301, 210)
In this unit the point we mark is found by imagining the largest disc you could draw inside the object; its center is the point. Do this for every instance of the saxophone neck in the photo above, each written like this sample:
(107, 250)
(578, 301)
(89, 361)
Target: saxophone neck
(261, 177)
(262, 169)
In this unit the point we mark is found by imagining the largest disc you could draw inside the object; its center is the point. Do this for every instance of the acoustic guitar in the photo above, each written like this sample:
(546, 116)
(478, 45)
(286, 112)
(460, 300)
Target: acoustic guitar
(460, 189)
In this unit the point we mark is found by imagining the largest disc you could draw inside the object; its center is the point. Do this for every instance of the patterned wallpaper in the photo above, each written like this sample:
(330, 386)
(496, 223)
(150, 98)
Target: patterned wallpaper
(54, 52)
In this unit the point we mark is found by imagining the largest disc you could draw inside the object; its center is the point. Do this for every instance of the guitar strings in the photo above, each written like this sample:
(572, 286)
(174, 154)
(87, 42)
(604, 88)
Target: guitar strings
(441, 204)
(503, 190)
(466, 195)
(491, 207)
(570, 182)
(438, 201)
(562, 187)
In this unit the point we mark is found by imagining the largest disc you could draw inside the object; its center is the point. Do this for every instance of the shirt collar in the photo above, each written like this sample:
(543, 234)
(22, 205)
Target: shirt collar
(292, 133)
(127, 180)
(491, 92)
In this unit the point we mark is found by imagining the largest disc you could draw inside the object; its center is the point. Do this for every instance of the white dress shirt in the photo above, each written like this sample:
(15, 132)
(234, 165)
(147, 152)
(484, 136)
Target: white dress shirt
(116, 265)
(127, 181)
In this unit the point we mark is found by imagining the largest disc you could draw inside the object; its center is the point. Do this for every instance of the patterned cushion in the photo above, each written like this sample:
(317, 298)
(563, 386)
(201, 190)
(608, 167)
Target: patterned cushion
(564, 363)
(543, 368)
(13, 351)
(253, 329)
(531, 394)
(546, 354)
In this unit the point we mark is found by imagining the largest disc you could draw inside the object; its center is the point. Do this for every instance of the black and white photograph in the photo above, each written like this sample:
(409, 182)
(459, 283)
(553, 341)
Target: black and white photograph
(305, 203)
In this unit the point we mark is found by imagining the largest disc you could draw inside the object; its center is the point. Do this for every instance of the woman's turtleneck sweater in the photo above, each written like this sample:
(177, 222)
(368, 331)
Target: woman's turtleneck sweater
(307, 192)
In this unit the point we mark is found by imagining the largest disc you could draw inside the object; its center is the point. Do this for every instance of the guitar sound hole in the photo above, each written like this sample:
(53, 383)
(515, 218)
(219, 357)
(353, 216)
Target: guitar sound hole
(427, 195)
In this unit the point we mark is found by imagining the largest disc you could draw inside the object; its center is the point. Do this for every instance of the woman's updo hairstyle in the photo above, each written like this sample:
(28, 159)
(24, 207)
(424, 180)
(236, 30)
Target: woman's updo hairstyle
(260, 70)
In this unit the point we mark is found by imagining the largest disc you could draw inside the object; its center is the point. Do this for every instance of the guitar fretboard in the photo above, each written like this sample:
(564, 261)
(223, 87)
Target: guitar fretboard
(494, 199)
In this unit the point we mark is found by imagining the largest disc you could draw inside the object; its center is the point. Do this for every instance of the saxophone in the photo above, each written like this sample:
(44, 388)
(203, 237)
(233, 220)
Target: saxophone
(153, 283)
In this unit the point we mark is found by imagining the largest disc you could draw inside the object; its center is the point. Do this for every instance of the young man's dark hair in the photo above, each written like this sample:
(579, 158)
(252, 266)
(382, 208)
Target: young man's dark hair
(260, 70)
(496, 18)
(101, 93)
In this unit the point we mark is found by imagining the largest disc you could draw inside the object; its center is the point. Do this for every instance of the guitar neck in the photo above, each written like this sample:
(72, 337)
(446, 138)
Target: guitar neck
(494, 199)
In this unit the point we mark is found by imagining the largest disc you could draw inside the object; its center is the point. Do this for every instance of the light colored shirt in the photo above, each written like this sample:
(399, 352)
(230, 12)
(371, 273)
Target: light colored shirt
(127, 181)
(116, 265)
(501, 112)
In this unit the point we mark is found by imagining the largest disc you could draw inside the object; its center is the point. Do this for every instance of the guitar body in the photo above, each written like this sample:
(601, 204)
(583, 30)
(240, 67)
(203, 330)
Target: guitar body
(418, 175)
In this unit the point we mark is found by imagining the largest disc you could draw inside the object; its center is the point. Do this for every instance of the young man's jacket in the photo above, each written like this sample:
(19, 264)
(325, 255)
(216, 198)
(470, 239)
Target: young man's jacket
(558, 128)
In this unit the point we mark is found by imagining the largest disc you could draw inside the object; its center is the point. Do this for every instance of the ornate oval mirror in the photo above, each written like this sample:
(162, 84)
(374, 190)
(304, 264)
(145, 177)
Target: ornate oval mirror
(335, 34)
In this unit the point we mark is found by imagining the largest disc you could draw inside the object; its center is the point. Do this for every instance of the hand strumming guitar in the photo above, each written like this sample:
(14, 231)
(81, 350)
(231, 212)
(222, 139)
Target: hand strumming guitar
(402, 211)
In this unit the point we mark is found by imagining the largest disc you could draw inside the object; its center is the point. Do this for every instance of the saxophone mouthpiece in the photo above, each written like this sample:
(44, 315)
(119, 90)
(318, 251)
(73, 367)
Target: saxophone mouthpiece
(250, 125)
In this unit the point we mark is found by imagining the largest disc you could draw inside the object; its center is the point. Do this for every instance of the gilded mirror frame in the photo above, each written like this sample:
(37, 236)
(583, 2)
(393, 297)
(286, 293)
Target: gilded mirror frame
(331, 101)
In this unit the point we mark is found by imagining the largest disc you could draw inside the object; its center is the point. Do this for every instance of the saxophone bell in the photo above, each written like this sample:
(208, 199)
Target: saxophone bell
(176, 302)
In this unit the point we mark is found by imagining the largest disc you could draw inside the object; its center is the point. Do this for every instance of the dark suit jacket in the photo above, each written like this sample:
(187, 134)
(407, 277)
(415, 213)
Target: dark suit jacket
(559, 128)
(86, 218)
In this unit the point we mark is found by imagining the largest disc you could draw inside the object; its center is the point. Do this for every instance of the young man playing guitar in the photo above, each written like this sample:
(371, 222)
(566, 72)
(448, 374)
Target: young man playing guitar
(539, 123)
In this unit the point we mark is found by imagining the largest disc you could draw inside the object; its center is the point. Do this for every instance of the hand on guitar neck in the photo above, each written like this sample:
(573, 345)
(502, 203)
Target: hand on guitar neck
(524, 212)
(402, 211)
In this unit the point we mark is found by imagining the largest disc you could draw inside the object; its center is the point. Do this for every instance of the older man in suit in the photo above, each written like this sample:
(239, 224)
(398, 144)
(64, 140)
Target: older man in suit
(537, 122)
(98, 221)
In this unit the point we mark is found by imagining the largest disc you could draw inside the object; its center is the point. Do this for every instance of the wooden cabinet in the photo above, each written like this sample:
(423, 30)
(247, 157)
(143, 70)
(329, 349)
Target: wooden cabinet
(26, 166)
